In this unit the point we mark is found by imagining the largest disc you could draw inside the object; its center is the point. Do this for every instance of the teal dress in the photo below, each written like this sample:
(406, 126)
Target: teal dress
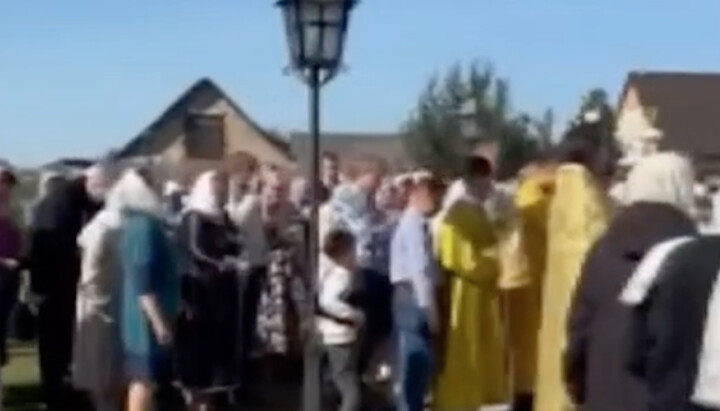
(148, 265)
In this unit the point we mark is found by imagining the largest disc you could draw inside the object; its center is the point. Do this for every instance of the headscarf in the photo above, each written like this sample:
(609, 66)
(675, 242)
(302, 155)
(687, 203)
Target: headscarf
(133, 193)
(202, 198)
(666, 178)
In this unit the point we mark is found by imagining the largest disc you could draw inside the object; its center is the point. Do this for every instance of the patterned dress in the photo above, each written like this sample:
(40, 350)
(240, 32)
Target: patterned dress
(283, 301)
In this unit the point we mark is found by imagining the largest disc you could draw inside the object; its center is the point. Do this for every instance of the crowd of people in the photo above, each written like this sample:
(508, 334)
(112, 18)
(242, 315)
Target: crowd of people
(548, 294)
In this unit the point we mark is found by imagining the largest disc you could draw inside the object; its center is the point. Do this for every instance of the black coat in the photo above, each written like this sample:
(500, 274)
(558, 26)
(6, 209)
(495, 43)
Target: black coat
(668, 327)
(595, 362)
(57, 220)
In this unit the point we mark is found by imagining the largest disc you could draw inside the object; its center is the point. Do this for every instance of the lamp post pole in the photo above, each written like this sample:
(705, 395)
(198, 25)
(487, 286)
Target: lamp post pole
(316, 32)
(312, 398)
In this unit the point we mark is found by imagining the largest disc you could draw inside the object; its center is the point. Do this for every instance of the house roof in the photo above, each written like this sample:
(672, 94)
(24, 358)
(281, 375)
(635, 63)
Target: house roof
(144, 142)
(388, 146)
(688, 108)
(70, 163)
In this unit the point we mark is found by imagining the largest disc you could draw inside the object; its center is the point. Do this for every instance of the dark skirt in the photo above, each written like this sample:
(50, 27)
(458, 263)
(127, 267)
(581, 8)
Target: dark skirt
(9, 287)
(207, 332)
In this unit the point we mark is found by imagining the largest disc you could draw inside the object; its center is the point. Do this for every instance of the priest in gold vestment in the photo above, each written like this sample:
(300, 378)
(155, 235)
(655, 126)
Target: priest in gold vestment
(470, 363)
(523, 266)
(578, 215)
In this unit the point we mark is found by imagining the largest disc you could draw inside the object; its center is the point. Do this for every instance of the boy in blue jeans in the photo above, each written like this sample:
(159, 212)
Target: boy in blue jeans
(413, 274)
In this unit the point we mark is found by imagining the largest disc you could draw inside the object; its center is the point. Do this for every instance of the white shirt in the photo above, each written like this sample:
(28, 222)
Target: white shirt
(335, 284)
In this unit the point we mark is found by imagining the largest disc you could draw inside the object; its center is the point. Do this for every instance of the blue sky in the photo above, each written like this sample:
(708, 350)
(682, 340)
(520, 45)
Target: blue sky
(79, 77)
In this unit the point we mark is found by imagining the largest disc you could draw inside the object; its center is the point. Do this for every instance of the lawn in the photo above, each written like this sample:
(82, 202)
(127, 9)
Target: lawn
(20, 380)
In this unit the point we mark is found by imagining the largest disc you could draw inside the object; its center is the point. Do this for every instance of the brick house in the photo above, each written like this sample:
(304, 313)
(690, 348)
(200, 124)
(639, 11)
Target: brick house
(198, 131)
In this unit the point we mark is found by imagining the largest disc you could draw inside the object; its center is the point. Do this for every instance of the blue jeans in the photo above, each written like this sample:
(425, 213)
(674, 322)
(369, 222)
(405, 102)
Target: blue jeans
(414, 353)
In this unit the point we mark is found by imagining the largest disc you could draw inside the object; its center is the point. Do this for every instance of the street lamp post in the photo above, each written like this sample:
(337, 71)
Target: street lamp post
(316, 32)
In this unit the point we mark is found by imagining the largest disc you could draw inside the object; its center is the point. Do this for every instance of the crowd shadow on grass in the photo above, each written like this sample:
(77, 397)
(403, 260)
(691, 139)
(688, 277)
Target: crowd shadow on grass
(22, 398)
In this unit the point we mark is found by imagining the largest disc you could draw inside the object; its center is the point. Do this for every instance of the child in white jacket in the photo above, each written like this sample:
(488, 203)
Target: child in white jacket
(339, 322)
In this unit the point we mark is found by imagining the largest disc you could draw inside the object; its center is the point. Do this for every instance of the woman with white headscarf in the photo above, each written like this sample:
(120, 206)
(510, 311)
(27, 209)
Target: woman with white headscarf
(96, 364)
(659, 200)
(149, 289)
(208, 328)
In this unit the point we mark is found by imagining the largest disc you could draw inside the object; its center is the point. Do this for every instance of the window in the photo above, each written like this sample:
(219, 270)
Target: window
(650, 114)
(205, 136)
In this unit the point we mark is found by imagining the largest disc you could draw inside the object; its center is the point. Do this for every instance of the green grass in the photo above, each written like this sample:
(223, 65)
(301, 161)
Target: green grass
(21, 380)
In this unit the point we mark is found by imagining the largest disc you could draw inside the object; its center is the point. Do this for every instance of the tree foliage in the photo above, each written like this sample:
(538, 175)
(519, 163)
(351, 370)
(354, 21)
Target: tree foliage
(596, 108)
(436, 131)
(595, 120)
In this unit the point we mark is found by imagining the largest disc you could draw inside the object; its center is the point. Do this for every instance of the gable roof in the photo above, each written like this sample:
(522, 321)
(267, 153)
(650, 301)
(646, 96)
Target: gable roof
(143, 144)
(387, 146)
(71, 162)
(688, 108)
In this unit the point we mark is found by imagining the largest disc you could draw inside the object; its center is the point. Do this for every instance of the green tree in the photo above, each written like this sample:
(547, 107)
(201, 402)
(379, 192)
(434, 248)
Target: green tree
(544, 130)
(596, 108)
(466, 107)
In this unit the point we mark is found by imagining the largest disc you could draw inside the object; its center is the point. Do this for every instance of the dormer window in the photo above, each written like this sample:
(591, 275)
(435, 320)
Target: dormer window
(204, 136)
(650, 114)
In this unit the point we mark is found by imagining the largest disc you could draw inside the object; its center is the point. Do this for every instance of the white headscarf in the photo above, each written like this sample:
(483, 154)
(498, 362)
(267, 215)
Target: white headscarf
(666, 178)
(132, 192)
(202, 198)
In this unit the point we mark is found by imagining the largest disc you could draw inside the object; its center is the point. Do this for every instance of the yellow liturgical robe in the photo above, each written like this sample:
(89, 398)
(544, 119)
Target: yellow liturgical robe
(470, 357)
(522, 274)
(578, 215)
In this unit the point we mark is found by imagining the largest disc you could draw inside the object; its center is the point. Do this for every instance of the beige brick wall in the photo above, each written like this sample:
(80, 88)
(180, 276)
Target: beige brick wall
(239, 136)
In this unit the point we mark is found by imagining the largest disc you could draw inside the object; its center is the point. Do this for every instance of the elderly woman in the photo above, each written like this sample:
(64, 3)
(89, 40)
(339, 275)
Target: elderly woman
(149, 288)
(96, 365)
(208, 330)
(659, 199)
(284, 293)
